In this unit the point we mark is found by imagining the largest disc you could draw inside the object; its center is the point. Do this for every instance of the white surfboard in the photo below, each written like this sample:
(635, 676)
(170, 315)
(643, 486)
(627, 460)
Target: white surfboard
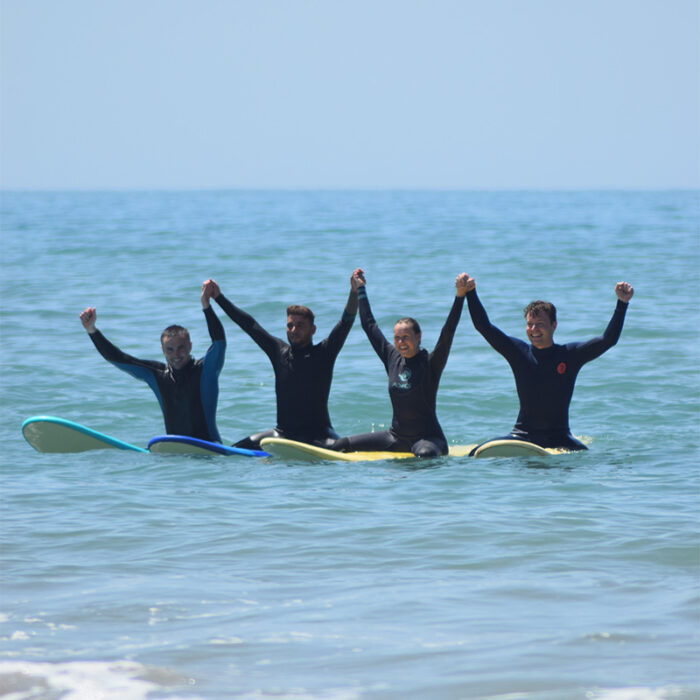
(51, 434)
(515, 448)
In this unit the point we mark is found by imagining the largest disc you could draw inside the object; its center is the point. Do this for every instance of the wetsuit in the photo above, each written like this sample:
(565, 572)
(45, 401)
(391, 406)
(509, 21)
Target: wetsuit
(302, 380)
(545, 378)
(413, 385)
(187, 396)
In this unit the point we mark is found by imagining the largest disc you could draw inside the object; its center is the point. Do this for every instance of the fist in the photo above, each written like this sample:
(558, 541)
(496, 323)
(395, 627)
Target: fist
(88, 318)
(624, 291)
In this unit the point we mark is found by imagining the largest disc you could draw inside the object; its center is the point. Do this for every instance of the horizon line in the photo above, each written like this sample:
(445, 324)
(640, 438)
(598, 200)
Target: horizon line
(282, 188)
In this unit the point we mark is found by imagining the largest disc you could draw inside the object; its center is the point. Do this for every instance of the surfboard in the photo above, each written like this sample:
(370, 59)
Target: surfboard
(301, 451)
(515, 448)
(51, 434)
(182, 444)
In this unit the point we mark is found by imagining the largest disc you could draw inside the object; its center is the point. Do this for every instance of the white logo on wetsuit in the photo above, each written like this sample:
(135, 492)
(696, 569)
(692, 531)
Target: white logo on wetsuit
(404, 380)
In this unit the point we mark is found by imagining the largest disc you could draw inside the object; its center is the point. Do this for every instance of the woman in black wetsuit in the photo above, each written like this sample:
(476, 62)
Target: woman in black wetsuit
(414, 376)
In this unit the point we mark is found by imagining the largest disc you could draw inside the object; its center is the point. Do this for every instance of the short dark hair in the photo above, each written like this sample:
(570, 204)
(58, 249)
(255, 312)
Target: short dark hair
(171, 331)
(541, 307)
(408, 321)
(296, 310)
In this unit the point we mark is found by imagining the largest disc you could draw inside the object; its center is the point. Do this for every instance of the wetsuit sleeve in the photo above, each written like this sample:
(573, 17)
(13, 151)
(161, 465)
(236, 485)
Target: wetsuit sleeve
(595, 347)
(212, 363)
(140, 369)
(495, 337)
(214, 358)
(336, 338)
(380, 344)
(438, 357)
(216, 330)
(268, 343)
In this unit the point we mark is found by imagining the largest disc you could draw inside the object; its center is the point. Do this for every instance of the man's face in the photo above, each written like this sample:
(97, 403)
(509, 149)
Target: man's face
(406, 340)
(177, 349)
(300, 330)
(540, 329)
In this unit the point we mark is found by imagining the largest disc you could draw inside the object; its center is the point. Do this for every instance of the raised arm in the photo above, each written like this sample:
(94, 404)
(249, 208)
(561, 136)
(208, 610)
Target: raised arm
(442, 348)
(597, 346)
(336, 338)
(210, 289)
(351, 305)
(494, 336)
(268, 343)
(213, 360)
(216, 329)
(380, 344)
(141, 369)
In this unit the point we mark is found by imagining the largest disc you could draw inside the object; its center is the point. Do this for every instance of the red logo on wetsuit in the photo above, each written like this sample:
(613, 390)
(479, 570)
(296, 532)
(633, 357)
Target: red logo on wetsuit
(561, 368)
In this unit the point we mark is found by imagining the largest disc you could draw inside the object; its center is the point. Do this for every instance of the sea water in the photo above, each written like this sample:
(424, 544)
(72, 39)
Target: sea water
(131, 576)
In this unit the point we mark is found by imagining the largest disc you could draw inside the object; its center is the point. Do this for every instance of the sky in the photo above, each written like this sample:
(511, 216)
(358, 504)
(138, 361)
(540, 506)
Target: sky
(356, 94)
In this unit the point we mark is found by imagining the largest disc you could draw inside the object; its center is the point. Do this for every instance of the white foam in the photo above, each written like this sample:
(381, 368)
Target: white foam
(86, 680)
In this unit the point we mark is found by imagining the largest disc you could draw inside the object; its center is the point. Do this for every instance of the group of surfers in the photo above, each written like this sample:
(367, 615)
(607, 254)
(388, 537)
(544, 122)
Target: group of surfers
(545, 372)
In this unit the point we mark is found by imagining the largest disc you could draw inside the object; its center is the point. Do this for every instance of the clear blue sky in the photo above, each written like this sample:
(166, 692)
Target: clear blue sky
(349, 93)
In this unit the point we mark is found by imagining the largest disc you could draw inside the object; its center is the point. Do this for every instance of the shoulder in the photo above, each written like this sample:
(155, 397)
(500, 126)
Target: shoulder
(519, 345)
(574, 346)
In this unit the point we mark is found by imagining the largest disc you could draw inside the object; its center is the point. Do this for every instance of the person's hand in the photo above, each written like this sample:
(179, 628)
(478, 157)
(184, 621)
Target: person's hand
(210, 290)
(89, 318)
(461, 283)
(624, 291)
(357, 279)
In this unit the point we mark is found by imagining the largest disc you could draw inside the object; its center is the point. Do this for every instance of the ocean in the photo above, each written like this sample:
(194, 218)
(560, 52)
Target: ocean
(129, 576)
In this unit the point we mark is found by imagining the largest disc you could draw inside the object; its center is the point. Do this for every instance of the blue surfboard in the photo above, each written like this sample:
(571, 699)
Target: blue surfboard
(51, 434)
(182, 444)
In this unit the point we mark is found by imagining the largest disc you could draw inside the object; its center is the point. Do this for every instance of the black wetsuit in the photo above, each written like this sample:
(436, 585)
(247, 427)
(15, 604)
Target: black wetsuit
(545, 378)
(413, 385)
(302, 380)
(187, 396)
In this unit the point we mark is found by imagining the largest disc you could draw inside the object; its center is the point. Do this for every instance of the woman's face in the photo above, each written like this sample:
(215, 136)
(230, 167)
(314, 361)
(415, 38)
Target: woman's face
(406, 340)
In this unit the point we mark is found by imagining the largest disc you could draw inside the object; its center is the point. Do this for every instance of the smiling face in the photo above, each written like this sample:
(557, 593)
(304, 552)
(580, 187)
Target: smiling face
(406, 340)
(300, 330)
(540, 329)
(177, 349)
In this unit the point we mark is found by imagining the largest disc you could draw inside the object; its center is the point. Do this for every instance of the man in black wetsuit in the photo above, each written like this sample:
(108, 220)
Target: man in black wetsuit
(187, 389)
(545, 372)
(303, 371)
(414, 376)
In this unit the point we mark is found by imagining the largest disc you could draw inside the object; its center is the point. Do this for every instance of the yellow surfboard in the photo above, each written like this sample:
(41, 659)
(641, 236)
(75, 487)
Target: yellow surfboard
(291, 449)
